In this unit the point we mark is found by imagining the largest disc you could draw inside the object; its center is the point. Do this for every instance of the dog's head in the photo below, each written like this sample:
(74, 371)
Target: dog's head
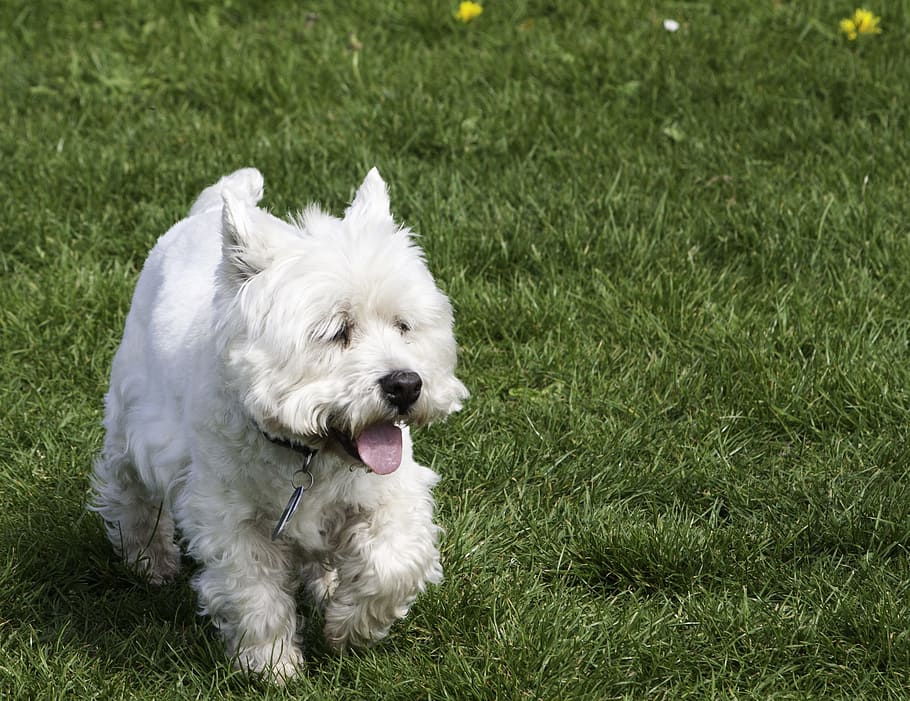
(332, 331)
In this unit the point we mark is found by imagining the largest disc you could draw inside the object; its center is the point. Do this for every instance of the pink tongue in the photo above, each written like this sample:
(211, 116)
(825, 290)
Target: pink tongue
(380, 448)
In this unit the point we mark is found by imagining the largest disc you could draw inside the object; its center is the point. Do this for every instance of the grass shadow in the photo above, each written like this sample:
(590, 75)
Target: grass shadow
(65, 589)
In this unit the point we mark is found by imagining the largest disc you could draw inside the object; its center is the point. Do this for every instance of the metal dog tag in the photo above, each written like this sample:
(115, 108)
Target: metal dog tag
(289, 510)
(294, 501)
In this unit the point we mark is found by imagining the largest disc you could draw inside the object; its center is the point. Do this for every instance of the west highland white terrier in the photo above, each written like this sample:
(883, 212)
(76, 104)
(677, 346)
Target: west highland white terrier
(259, 409)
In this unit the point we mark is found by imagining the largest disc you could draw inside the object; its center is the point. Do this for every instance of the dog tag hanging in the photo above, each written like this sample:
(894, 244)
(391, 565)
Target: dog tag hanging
(294, 501)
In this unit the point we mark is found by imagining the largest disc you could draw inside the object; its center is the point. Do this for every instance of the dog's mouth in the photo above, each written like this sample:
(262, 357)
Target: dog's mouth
(378, 447)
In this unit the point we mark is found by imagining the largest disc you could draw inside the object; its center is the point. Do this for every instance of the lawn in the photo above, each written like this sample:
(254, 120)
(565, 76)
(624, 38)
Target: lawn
(680, 263)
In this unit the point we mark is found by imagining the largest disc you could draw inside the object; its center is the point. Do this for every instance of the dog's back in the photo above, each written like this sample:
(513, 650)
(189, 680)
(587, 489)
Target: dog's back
(165, 340)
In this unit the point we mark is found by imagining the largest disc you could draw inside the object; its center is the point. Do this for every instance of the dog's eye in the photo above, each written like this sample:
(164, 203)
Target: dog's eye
(402, 326)
(343, 335)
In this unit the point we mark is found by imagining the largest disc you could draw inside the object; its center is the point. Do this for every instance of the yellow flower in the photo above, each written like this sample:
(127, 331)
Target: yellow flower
(862, 22)
(468, 11)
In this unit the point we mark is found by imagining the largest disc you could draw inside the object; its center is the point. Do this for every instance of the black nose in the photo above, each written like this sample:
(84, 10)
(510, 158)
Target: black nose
(401, 387)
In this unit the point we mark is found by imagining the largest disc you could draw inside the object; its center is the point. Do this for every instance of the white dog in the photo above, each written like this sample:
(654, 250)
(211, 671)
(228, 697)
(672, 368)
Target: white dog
(259, 406)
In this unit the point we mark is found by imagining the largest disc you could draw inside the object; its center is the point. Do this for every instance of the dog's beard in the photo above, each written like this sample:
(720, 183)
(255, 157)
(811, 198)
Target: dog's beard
(365, 437)
(366, 432)
(377, 447)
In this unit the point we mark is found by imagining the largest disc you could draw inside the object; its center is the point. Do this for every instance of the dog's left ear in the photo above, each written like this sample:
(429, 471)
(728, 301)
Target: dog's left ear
(371, 201)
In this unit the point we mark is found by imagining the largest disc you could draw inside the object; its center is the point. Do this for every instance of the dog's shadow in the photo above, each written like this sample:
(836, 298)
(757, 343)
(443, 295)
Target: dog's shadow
(65, 587)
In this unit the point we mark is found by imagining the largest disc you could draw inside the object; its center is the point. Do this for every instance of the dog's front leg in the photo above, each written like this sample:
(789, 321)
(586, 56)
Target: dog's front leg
(246, 587)
(383, 561)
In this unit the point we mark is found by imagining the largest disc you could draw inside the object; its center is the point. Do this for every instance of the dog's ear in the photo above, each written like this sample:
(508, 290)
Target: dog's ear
(246, 243)
(371, 201)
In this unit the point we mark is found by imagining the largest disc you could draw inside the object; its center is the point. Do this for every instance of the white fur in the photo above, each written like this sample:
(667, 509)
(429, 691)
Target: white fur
(243, 323)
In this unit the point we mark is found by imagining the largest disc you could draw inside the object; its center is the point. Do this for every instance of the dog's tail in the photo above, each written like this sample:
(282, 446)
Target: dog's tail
(245, 185)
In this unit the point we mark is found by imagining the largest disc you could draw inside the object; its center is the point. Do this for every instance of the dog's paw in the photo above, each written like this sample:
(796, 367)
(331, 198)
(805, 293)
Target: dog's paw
(360, 625)
(270, 663)
(158, 564)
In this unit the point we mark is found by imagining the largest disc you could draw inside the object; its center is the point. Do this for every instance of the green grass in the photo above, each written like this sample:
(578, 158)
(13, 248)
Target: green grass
(681, 268)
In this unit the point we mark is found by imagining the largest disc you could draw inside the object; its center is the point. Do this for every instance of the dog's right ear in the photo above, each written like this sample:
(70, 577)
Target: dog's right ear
(245, 248)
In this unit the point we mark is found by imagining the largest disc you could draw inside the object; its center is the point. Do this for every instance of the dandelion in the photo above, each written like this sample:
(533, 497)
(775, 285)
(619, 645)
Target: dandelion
(862, 22)
(468, 11)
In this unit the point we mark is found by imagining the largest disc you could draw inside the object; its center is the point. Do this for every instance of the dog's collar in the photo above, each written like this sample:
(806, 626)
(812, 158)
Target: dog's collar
(305, 450)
